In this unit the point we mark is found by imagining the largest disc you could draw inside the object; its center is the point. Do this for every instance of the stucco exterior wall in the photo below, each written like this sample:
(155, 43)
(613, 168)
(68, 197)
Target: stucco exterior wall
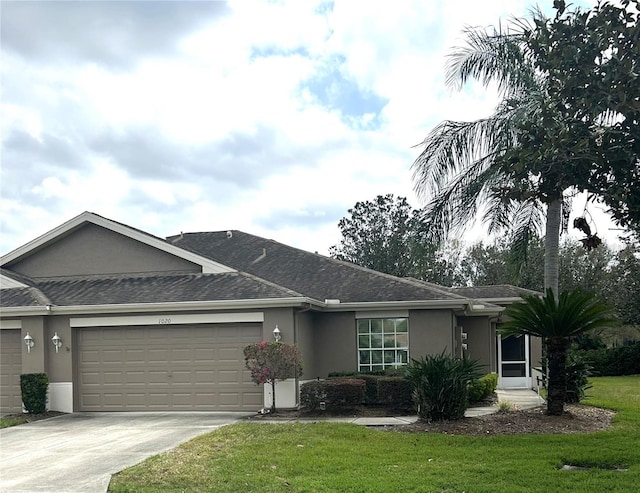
(96, 250)
(480, 341)
(430, 332)
(304, 339)
(334, 344)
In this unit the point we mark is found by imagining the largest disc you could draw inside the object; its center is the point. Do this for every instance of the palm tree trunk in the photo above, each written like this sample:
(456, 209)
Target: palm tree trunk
(552, 246)
(557, 368)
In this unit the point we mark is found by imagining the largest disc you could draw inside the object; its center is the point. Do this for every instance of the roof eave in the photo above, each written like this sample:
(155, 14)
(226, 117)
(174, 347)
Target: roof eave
(179, 306)
(394, 305)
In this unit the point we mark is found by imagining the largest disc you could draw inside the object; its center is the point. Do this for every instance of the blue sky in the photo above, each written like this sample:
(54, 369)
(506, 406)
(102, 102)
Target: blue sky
(269, 117)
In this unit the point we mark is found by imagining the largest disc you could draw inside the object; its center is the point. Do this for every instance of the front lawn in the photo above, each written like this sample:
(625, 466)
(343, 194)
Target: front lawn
(319, 457)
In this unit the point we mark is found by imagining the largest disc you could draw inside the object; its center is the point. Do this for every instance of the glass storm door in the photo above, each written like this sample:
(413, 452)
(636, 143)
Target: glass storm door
(513, 362)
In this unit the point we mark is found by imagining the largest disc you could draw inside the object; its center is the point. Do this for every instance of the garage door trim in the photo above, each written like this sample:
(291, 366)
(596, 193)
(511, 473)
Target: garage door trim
(169, 319)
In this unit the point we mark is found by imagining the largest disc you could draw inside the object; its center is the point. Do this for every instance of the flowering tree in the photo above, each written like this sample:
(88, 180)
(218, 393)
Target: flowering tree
(271, 361)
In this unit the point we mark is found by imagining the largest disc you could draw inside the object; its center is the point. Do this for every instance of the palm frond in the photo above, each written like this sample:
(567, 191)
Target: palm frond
(574, 313)
(491, 57)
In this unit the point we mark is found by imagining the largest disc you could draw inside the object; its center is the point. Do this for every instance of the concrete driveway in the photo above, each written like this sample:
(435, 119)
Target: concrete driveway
(79, 452)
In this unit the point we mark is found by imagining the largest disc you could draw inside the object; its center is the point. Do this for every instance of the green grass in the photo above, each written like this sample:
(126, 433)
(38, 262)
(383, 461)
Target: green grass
(7, 422)
(322, 457)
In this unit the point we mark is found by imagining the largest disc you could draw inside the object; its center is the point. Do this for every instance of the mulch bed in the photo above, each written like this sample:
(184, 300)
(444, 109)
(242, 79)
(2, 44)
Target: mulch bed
(576, 419)
(35, 417)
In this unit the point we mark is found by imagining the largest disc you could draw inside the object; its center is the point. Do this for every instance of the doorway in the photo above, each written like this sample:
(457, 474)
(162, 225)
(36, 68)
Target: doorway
(514, 371)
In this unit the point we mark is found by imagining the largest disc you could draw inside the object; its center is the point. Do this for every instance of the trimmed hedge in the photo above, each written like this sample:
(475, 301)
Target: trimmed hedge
(338, 395)
(395, 392)
(34, 388)
(614, 361)
(483, 388)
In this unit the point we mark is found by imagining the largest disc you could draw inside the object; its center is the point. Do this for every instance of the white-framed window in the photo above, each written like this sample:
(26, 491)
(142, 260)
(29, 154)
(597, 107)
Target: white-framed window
(382, 343)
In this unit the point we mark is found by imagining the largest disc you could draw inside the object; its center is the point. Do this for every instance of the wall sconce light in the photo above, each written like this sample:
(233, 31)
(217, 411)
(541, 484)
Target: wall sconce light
(57, 342)
(276, 334)
(29, 342)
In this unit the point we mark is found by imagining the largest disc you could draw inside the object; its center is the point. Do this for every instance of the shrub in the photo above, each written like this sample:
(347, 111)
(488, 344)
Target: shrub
(483, 388)
(371, 394)
(34, 388)
(271, 361)
(338, 395)
(440, 384)
(395, 392)
(615, 361)
(578, 372)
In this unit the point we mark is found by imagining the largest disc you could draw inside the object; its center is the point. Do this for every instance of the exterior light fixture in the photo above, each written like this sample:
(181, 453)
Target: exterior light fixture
(57, 342)
(276, 334)
(29, 342)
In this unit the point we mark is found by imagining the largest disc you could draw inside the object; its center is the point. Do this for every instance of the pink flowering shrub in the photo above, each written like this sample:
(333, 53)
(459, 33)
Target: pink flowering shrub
(271, 361)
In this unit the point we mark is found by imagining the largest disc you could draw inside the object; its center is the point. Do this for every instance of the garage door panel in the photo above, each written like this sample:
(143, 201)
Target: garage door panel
(10, 369)
(167, 368)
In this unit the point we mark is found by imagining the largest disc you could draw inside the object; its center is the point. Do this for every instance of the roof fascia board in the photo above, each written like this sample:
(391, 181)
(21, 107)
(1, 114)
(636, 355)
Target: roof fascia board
(396, 305)
(169, 319)
(161, 307)
(208, 266)
(8, 283)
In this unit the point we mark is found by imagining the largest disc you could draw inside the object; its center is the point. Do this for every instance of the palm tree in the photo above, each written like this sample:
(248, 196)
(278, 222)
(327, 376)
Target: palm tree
(466, 166)
(574, 313)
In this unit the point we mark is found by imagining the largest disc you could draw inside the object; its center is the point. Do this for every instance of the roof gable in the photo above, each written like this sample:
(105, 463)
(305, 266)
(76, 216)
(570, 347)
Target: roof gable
(87, 218)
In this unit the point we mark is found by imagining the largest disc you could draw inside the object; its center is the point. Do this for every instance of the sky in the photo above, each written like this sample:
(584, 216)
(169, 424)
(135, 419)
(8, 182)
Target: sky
(273, 118)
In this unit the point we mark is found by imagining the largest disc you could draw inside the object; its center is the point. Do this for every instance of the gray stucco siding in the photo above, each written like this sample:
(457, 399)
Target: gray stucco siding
(94, 250)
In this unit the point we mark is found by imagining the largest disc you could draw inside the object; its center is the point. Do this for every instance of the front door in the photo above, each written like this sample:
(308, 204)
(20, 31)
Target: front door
(513, 362)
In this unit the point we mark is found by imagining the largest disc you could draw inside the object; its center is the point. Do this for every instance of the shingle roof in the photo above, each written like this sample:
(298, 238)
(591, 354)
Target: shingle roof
(122, 289)
(494, 292)
(21, 297)
(310, 274)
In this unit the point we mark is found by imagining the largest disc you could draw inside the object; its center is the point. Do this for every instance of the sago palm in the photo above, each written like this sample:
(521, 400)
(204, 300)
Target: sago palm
(557, 321)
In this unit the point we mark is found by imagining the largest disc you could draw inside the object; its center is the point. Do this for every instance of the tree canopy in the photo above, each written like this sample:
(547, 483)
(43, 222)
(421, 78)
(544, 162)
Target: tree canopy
(386, 234)
(566, 121)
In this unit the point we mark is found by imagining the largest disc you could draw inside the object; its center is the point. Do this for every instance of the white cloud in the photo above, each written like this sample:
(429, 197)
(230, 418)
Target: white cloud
(209, 116)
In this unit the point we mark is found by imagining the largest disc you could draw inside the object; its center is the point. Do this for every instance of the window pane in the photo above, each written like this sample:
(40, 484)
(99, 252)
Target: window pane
(363, 342)
(389, 325)
(376, 340)
(402, 325)
(514, 370)
(365, 357)
(389, 357)
(376, 357)
(389, 340)
(376, 326)
(403, 357)
(402, 340)
(363, 326)
(513, 348)
(377, 368)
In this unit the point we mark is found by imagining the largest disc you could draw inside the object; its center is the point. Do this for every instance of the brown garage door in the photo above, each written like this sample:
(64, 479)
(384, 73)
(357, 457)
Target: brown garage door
(167, 368)
(10, 369)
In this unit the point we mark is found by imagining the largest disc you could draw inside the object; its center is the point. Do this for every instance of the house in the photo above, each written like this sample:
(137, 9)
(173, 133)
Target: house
(122, 320)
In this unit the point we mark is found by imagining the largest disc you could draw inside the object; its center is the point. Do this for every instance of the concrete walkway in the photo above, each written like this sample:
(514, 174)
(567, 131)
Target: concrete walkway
(520, 398)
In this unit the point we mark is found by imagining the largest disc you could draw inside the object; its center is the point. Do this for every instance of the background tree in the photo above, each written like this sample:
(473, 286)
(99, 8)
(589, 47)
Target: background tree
(556, 321)
(542, 142)
(386, 234)
(272, 361)
(590, 63)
